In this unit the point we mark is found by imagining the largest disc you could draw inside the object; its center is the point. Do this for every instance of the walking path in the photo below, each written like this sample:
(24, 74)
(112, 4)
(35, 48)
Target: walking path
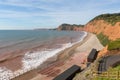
(108, 61)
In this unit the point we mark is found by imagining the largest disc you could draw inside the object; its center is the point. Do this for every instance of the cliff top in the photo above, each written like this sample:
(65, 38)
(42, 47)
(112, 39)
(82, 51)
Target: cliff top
(110, 18)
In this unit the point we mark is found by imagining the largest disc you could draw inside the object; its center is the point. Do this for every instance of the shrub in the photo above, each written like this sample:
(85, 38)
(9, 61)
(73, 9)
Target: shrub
(114, 45)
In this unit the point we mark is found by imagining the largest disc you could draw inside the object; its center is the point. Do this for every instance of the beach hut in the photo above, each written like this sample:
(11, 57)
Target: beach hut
(69, 73)
(92, 56)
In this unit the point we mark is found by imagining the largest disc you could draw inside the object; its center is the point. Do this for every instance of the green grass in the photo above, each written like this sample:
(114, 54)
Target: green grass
(103, 39)
(114, 45)
(117, 68)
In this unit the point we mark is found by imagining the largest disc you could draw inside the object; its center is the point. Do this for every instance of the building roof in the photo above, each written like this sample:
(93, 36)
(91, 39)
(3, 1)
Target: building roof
(66, 74)
(92, 54)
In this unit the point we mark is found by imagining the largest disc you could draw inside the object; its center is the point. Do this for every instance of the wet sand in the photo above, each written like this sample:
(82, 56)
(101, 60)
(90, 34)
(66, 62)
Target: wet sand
(76, 54)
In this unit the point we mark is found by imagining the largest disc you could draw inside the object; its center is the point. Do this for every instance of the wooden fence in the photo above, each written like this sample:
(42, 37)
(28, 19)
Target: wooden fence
(112, 75)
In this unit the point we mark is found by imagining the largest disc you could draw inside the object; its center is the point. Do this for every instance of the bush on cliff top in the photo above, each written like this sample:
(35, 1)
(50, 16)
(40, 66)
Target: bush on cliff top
(114, 45)
(110, 18)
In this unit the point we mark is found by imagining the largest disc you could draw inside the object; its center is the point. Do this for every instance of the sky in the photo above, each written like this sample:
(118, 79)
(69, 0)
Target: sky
(30, 14)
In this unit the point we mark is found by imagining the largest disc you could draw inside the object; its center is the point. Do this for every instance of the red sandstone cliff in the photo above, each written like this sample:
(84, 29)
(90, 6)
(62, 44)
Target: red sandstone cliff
(98, 26)
(108, 25)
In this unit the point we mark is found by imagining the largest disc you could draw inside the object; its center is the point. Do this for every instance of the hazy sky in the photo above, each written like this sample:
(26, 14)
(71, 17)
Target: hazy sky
(29, 14)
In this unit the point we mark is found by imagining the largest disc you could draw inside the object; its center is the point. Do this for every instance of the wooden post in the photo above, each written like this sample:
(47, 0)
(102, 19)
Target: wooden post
(108, 74)
(117, 74)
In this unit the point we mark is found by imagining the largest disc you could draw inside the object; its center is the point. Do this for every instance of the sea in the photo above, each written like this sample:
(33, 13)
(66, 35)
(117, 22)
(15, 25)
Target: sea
(14, 40)
(38, 46)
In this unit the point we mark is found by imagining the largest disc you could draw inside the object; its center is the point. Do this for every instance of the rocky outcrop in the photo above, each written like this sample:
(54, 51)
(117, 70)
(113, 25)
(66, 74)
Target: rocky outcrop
(70, 27)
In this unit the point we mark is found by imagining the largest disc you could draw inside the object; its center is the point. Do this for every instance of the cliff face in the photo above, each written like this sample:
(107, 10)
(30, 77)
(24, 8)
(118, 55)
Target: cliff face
(101, 26)
(70, 27)
(109, 26)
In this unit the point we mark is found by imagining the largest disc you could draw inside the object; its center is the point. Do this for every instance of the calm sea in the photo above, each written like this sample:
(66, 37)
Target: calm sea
(12, 40)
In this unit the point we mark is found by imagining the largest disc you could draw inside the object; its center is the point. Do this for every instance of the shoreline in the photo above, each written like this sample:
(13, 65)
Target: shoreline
(20, 52)
(69, 57)
(14, 59)
(60, 56)
(61, 61)
(64, 54)
(64, 60)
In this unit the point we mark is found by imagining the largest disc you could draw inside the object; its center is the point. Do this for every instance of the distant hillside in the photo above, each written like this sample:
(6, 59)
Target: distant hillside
(70, 27)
